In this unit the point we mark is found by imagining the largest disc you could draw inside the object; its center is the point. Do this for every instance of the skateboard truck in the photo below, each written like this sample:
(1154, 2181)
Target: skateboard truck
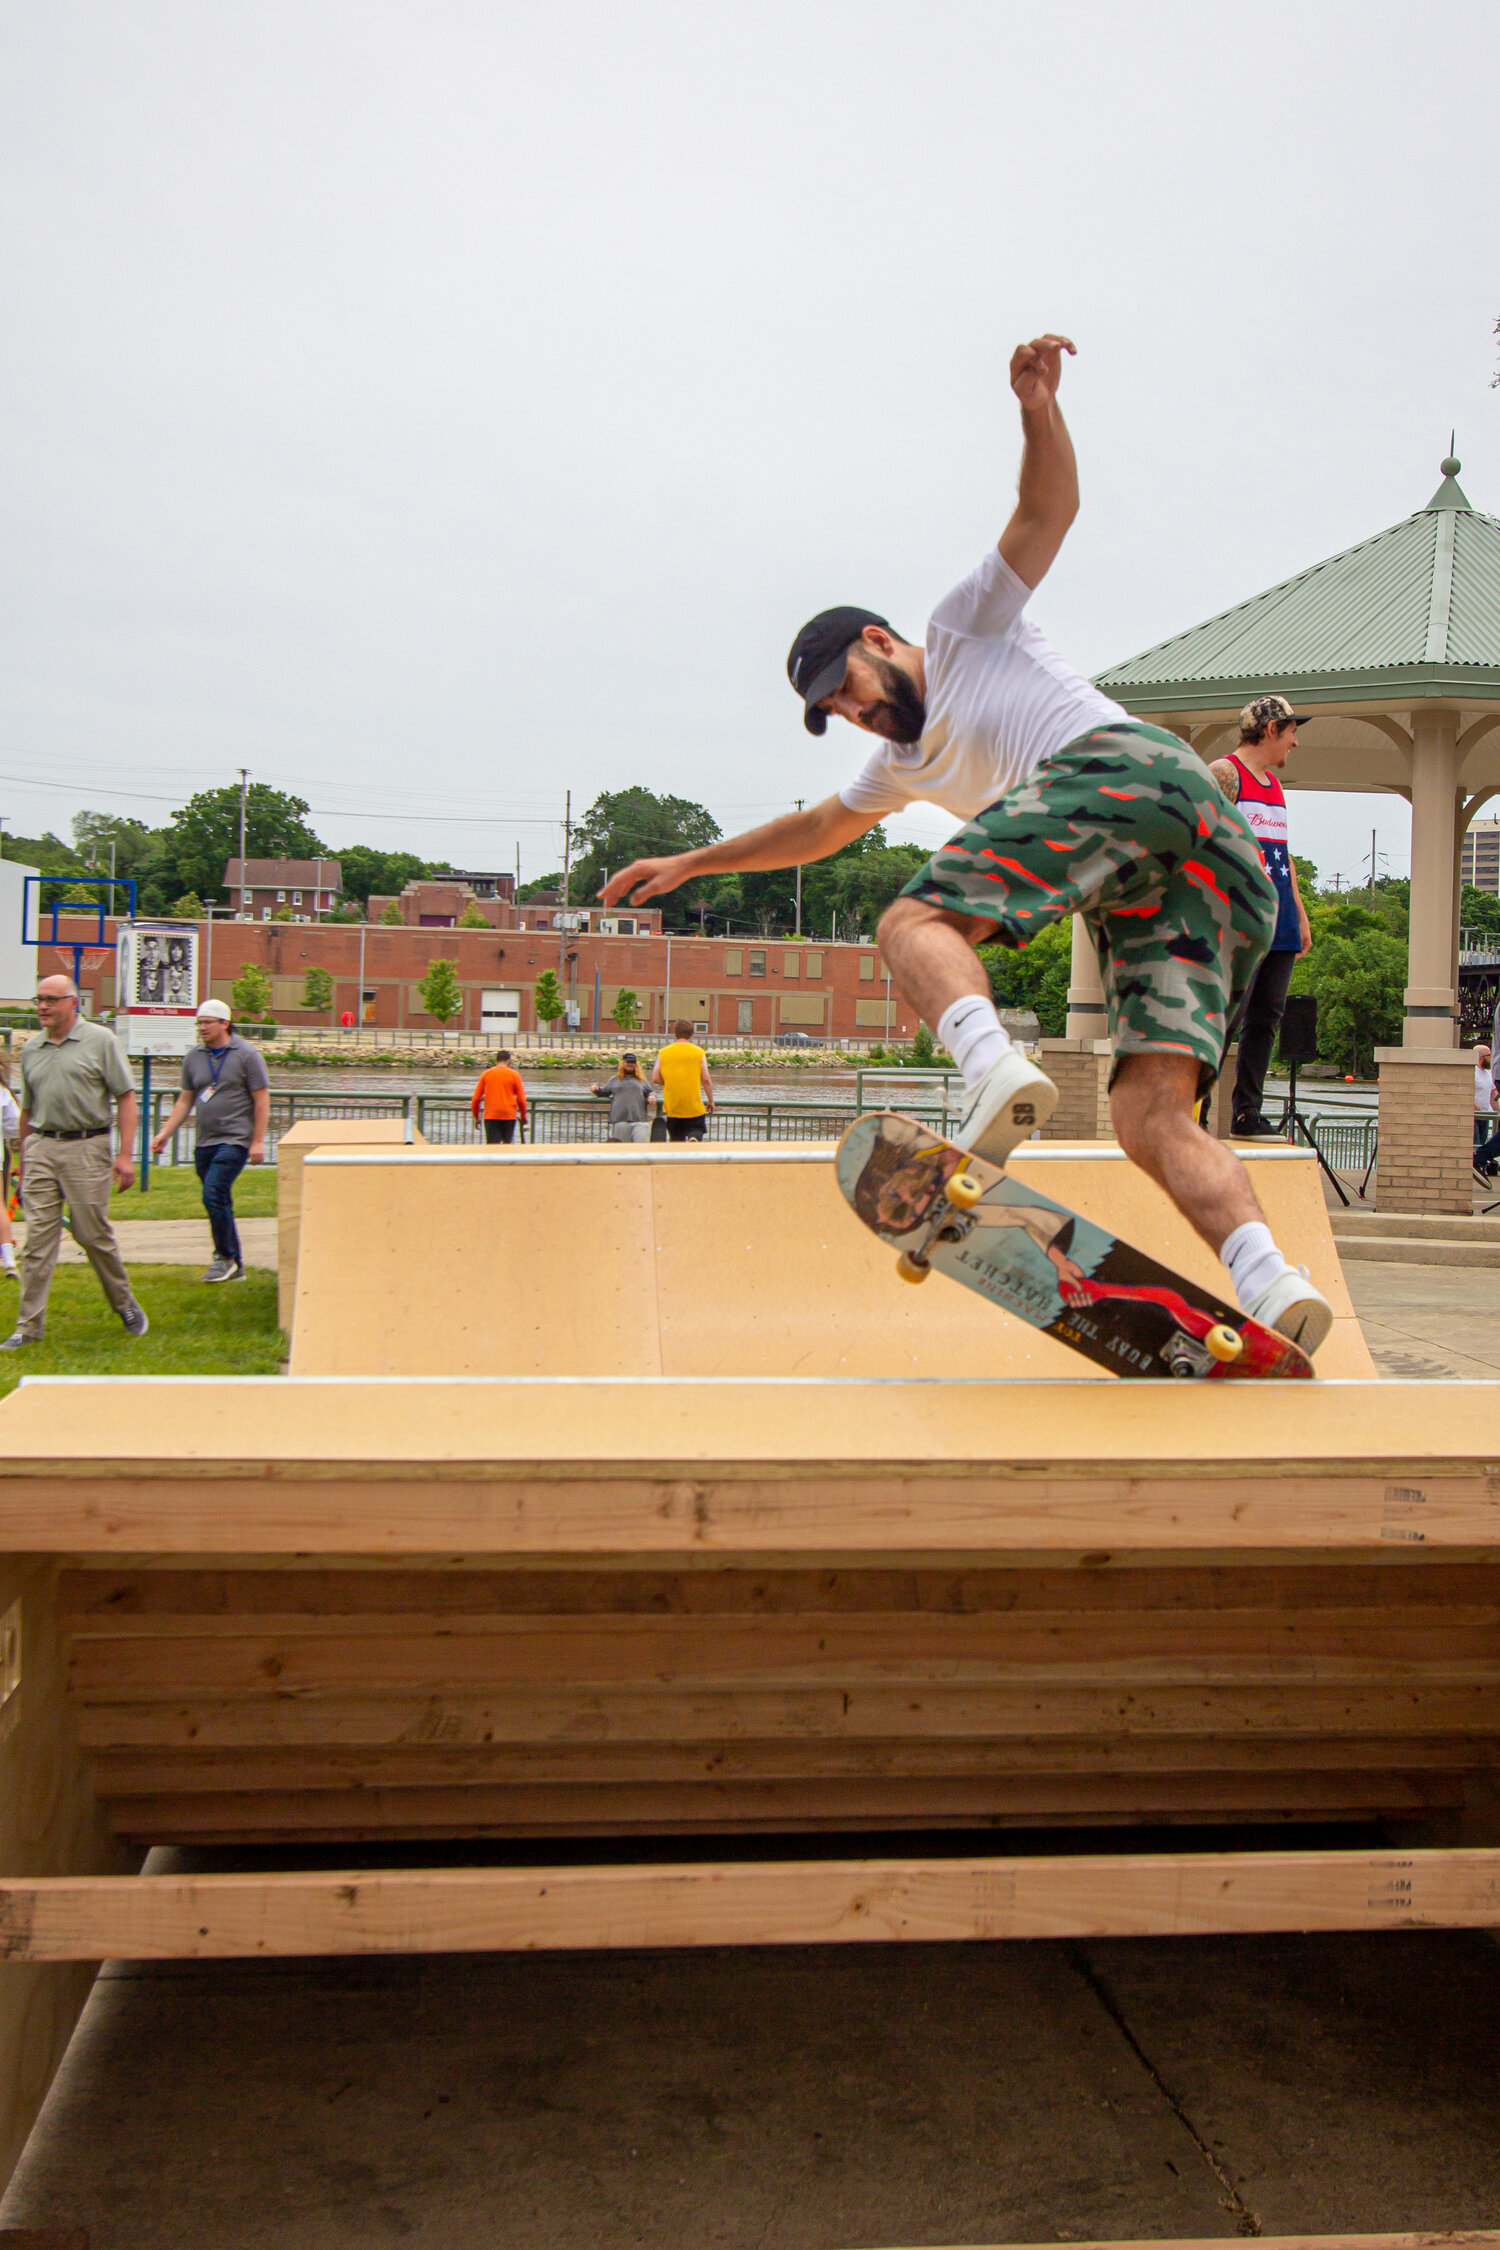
(961, 1193)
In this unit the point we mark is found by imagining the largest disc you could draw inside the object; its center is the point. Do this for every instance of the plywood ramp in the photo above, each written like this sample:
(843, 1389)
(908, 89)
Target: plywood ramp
(1465, 2240)
(703, 1262)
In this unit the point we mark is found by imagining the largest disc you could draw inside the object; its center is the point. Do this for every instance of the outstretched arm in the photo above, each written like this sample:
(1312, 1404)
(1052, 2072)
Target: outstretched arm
(789, 842)
(1047, 499)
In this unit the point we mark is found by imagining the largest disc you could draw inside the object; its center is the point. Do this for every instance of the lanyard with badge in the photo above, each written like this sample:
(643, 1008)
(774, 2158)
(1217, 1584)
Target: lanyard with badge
(215, 1064)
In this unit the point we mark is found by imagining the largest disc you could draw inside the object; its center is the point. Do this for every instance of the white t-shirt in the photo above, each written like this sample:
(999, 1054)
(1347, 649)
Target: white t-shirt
(1000, 700)
(10, 1116)
(1484, 1086)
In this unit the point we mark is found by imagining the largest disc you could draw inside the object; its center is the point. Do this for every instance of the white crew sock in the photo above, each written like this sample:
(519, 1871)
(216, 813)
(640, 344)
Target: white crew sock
(7, 1255)
(973, 1035)
(1253, 1260)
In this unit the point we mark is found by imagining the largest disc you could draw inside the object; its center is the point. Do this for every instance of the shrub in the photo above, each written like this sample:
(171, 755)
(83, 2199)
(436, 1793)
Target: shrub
(250, 994)
(441, 993)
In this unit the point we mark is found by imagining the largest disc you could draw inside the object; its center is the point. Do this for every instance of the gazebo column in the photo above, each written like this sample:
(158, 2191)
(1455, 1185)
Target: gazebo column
(1431, 995)
(1426, 1084)
(1078, 1063)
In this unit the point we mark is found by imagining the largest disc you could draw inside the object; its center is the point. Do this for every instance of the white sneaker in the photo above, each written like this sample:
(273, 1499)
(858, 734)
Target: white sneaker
(1010, 1101)
(1294, 1309)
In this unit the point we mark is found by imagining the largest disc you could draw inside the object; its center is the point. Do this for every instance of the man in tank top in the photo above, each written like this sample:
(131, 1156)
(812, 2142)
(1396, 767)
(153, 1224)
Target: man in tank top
(1248, 778)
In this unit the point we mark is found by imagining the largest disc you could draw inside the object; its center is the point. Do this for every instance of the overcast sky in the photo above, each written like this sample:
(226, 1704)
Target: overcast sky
(435, 406)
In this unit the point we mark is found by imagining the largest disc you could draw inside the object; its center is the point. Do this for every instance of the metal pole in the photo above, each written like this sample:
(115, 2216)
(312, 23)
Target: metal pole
(666, 1006)
(244, 812)
(359, 1005)
(145, 1123)
(799, 802)
(562, 919)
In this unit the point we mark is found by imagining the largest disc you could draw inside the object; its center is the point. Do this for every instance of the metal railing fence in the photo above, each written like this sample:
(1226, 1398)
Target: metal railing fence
(446, 1121)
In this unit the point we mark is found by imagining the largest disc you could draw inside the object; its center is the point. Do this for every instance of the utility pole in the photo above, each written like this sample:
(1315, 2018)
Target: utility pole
(1372, 867)
(799, 802)
(562, 918)
(244, 811)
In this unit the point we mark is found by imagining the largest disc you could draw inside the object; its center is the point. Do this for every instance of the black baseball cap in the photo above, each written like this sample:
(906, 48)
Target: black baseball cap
(819, 657)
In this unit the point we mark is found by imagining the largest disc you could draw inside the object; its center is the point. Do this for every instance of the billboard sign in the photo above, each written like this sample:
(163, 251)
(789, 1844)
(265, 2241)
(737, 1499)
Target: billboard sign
(156, 987)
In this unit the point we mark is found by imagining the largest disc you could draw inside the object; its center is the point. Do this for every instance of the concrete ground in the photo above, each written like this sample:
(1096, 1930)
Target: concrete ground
(176, 1242)
(1427, 1323)
(815, 2099)
(831, 2098)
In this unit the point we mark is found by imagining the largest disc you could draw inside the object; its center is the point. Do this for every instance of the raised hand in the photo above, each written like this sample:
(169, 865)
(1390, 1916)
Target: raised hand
(1036, 368)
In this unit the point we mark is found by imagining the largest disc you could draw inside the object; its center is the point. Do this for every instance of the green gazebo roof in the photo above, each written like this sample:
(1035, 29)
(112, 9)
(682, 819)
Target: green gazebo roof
(1415, 611)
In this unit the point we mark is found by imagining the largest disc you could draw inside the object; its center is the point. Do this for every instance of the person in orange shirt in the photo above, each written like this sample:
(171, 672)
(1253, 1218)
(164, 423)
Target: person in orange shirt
(499, 1099)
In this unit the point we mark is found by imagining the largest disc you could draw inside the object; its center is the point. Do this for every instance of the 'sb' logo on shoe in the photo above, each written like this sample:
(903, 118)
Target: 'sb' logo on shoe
(1024, 1113)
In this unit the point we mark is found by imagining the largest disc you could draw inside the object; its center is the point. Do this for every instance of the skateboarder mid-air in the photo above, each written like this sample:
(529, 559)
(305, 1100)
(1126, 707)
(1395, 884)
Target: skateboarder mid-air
(1070, 807)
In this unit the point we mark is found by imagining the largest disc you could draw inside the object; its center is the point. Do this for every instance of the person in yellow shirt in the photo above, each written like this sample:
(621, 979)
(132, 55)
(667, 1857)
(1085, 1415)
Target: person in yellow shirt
(681, 1071)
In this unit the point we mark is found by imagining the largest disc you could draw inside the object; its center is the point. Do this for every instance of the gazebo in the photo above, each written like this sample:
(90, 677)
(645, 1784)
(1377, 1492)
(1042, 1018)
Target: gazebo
(1394, 647)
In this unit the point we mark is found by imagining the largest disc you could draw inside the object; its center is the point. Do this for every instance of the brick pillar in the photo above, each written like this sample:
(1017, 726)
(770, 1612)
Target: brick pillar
(1426, 1130)
(1079, 1068)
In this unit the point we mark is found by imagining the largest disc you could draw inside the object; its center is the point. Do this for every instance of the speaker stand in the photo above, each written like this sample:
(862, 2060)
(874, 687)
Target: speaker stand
(1295, 1125)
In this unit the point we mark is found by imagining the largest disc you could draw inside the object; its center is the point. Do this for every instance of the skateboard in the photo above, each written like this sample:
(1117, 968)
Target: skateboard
(951, 1212)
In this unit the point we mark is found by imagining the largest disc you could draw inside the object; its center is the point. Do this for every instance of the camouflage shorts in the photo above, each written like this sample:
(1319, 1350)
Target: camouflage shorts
(1127, 827)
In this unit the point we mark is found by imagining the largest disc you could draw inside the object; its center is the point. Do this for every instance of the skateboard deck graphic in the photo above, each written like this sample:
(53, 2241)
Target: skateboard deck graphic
(1045, 1264)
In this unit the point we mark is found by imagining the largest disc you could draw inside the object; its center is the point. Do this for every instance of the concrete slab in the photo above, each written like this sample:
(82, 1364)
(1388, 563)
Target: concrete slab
(1428, 1323)
(779, 2100)
(176, 1242)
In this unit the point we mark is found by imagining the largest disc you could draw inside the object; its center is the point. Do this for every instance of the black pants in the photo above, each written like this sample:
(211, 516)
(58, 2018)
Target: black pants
(1262, 1014)
(500, 1128)
(686, 1128)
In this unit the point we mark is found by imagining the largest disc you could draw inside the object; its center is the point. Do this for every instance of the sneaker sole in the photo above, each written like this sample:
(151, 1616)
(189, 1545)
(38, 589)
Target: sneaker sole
(1306, 1323)
(1015, 1123)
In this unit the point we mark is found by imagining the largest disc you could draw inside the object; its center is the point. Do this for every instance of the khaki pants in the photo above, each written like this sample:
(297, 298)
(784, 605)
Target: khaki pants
(75, 1173)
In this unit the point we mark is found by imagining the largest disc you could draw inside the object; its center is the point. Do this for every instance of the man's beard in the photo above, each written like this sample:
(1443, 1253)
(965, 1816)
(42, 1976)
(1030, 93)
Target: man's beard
(901, 713)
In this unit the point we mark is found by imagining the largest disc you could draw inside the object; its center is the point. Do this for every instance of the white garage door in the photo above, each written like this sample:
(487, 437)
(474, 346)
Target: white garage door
(500, 1015)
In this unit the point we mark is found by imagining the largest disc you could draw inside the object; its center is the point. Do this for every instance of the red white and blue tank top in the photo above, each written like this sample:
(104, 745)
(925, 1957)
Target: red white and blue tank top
(1264, 808)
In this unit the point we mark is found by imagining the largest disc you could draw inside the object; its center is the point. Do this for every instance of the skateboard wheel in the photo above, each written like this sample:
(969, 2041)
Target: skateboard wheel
(910, 1268)
(1224, 1342)
(963, 1191)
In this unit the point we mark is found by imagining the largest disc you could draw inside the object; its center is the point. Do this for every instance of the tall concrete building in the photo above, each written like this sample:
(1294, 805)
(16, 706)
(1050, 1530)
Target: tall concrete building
(1479, 862)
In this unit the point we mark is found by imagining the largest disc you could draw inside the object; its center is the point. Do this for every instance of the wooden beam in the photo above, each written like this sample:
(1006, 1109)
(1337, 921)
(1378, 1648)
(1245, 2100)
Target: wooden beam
(1410, 1710)
(774, 1902)
(606, 1808)
(1465, 2240)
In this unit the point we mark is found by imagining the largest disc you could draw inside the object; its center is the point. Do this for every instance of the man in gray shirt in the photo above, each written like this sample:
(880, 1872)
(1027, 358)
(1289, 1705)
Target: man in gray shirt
(71, 1072)
(224, 1080)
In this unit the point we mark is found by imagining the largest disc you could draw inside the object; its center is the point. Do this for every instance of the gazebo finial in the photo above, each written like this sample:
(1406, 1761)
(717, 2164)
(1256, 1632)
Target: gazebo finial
(1450, 493)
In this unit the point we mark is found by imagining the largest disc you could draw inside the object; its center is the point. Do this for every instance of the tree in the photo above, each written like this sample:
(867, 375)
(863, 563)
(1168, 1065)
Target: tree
(188, 908)
(857, 884)
(625, 1012)
(1358, 981)
(549, 886)
(317, 989)
(441, 993)
(1034, 976)
(204, 834)
(384, 874)
(472, 917)
(1478, 910)
(391, 916)
(250, 994)
(626, 824)
(547, 1002)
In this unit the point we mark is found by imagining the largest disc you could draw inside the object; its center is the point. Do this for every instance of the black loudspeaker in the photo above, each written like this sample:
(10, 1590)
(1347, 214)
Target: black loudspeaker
(1299, 1030)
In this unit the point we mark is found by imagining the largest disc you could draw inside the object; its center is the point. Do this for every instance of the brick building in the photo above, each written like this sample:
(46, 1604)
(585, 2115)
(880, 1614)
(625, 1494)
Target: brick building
(729, 987)
(439, 902)
(303, 888)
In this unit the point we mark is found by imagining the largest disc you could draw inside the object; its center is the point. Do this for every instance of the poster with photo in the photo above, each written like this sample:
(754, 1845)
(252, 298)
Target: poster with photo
(156, 986)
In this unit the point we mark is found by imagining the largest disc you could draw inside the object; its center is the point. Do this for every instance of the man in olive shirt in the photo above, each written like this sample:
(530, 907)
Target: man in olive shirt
(71, 1071)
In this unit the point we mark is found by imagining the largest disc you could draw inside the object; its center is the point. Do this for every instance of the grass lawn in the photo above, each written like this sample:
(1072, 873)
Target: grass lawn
(174, 1194)
(228, 1330)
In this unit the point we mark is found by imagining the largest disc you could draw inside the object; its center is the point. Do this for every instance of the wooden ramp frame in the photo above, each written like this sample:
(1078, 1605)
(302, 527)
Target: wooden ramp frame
(804, 1566)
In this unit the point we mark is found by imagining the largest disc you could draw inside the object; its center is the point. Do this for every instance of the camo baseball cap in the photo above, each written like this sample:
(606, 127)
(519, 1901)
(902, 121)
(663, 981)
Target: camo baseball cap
(1269, 711)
